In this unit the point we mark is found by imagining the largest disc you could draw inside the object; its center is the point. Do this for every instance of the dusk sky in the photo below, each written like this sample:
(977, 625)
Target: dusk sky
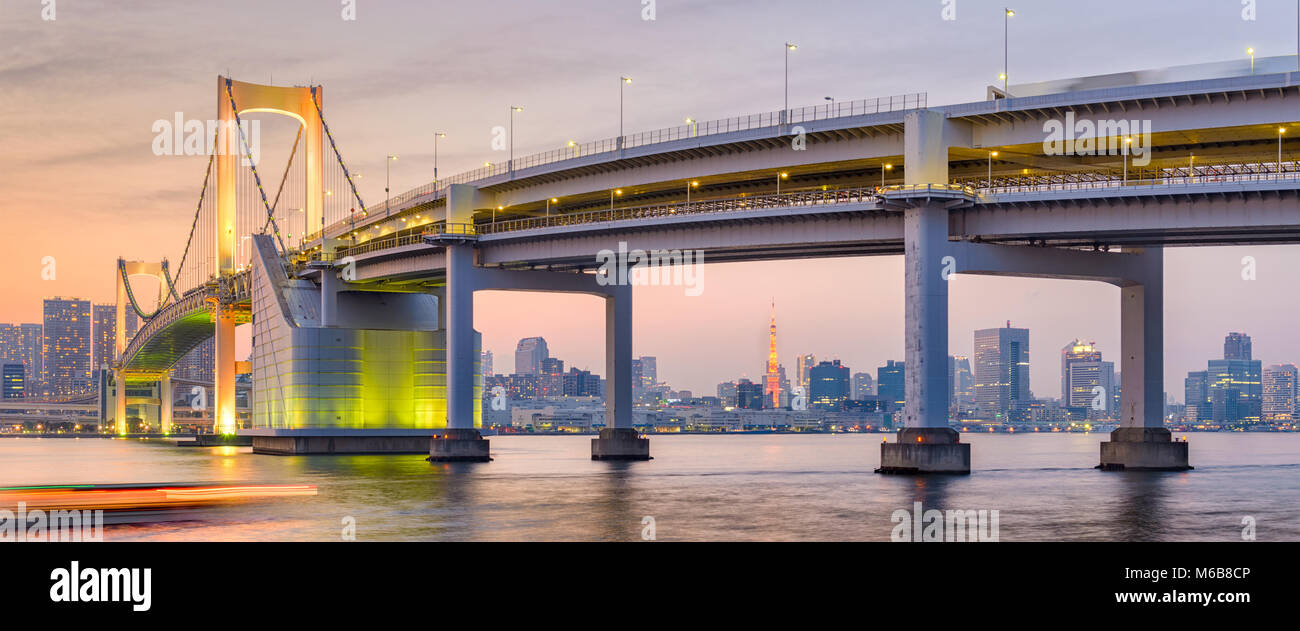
(79, 95)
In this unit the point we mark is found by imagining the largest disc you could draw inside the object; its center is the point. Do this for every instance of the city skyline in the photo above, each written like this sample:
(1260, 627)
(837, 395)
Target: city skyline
(850, 316)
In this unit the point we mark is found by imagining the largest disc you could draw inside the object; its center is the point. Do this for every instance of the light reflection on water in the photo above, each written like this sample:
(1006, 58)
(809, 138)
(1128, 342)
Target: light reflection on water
(719, 487)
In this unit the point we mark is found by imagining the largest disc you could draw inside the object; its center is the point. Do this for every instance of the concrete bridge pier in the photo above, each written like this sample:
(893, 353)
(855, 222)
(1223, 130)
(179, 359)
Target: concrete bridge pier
(165, 403)
(926, 444)
(460, 441)
(119, 402)
(1142, 443)
(619, 440)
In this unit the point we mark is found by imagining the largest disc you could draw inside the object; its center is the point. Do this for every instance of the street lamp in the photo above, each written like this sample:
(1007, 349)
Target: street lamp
(691, 122)
(888, 167)
(1127, 141)
(387, 180)
(511, 163)
(785, 113)
(553, 200)
(436, 136)
(1251, 52)
(1280, 131)
(622, 81)
(992, 154)
(781, 176)
(1006, 47)
(576, 150)
(612, 193)
(693, 184)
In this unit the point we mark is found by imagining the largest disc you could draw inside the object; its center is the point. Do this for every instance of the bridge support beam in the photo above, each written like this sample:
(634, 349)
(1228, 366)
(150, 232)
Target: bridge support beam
(165, 403)
(460, 441)
(223, 404)
(619, 440)
(1142, 443)
(926, 444)
(119, 402)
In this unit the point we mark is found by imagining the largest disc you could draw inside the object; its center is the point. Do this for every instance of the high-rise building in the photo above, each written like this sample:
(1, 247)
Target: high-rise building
(891, 384)
(485, 361)
(1236, 346)
(649, 371)
(22, 343)
(1001, 370)
(727, 393)
(829, 386)
(772, 378)
(863, 386)
(551, 377)
(12, 380)
(803, 370)
(529, 354)
(198, 364)
(66, 345)
(1236, 390)
(1196, 393)
(581, 383)
(1075, 351)
(962, 380)
(749, 395)
(1281, 389)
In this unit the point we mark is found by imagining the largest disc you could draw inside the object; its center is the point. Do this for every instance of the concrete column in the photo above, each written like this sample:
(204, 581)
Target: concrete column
(619, 440)
(119, 402)
(165, 403)
(1142, 346)
(1142, 443)
(925, 230)
(460, 441)
(618, 358)
(224, 374)
(330, 285)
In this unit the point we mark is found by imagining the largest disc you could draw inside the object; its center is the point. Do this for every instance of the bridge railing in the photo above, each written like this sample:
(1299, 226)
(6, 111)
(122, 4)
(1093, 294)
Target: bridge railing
(732, 204)
(1169, 177)
(697, 129)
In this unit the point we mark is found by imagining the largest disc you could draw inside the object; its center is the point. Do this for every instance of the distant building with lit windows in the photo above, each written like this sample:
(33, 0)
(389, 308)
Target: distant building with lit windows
(66, 345)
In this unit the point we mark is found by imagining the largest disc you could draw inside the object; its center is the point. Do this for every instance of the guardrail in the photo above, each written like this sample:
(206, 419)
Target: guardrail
(1120, 184)
(700, 129)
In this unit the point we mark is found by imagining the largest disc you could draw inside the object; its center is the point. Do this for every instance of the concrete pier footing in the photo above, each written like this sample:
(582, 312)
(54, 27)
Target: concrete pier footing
(620, 443)
(459, 445)
(1143, 449)
(350, 444)
(925, 450)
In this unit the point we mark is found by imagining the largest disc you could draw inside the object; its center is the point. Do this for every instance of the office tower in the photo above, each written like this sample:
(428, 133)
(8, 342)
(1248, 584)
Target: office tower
(1001, 370)
(199, 364)
(551, 377)
(22, 343)
(829, 386)
(772, 378)
(1075, 351)
(521, 387)
(485, 361)
(727, 393)
(66, 345)
(581, 383)
(1236, 346)
(1196, 394)
(12, 380)
(749, 395)
(863, 386)
(649, 372)
(1236, 390)
(962, 381)
(891, 384)
(104, 328)
(802, 370)
(1280, 392)
(529, 355)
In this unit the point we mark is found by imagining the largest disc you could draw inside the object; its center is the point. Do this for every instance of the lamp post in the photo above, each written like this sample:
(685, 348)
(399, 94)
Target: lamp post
(1191, 168)
(888, 167)
(511, 163)
(693, 184)
(612, 193)
(785, 112)
(830, 103)
(622, 81)
(691, 122)
(1006, 47)
(992, 154)
(436, 136)
(1127, 141)
(576, 151)
(387, 180)
(1251, 52)
(552, 200)
(780, 176)
(1280, 132)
